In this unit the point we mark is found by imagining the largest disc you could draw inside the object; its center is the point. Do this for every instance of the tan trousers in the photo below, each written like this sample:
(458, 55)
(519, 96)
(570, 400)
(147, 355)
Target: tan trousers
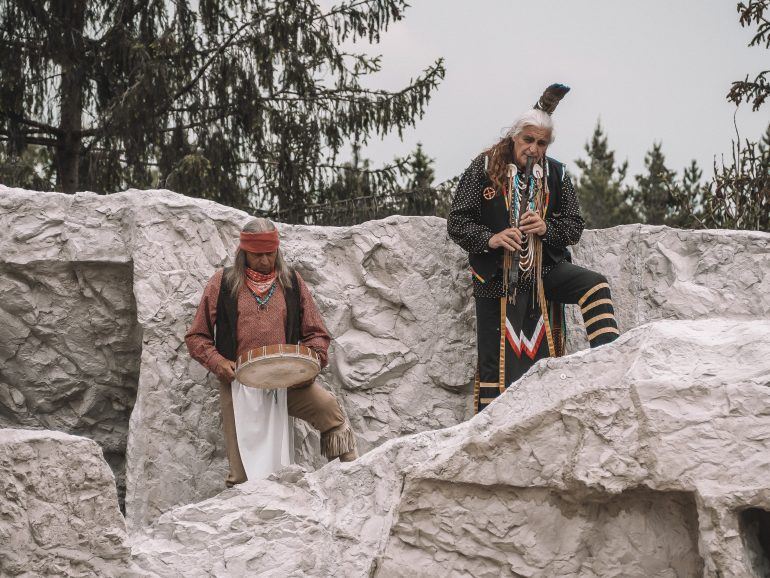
(311, 403)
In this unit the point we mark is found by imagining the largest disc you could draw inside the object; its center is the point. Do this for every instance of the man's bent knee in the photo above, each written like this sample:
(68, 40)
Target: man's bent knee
(316, 406)
(330, 414)
(322, 410)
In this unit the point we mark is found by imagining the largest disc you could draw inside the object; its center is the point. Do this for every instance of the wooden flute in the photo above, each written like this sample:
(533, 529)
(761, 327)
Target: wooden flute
(511, 263)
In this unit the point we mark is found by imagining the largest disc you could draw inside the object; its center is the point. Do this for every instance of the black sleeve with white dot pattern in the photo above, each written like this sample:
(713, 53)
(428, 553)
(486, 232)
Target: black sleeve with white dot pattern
(463, 224)
(565, 224)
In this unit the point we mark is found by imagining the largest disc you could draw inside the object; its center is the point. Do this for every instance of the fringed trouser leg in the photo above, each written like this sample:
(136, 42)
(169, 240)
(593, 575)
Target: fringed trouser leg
(321, 410)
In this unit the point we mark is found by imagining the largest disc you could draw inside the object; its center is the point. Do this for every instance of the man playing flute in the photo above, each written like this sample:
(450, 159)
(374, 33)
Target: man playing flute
(515, 212)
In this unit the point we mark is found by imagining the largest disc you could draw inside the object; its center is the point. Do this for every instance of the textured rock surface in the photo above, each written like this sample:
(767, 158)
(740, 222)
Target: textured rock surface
(394, 293)
(70, 352)
(635, 459)
(58, 508)
(662, 273)
(401, 318)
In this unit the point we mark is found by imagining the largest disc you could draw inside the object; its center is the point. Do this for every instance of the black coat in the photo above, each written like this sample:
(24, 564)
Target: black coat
(473, 220)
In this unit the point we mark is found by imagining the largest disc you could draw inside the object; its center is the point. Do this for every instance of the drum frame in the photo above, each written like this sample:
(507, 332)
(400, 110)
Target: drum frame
(276, 351)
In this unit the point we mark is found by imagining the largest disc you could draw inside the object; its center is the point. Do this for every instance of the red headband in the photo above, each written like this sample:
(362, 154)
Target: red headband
(259, 242)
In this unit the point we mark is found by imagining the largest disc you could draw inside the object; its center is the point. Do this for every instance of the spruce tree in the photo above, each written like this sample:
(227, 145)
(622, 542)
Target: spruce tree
(419, 198)
(247, 103)
(420, 170)
(352, 181)
(686, 206)
(602, 194)
(654, 195)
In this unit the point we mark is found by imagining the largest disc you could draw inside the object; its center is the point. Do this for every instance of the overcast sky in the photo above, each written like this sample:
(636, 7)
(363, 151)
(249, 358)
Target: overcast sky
(653, 70)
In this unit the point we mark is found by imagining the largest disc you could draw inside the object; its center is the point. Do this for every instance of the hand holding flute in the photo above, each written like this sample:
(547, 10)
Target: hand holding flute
(531, 222)
(509, 239)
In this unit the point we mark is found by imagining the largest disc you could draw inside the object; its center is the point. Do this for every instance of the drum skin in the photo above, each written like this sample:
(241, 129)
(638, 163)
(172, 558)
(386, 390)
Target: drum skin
(277, 366)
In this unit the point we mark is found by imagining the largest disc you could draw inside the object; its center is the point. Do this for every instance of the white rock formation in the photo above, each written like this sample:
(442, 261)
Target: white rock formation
(59, 511)
(662, 273)
(636, 459)
(70, 351)
(395, 295)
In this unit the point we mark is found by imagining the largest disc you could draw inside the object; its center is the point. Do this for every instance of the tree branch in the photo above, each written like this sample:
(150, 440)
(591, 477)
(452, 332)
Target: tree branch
(204, 67)
(46, 128)
(47, 142)
(120, 19)
(196, 124)
(10, 44)
(39, 13)
(340, 9)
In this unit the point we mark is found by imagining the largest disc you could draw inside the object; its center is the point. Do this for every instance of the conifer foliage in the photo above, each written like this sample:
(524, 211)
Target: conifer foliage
(603, 196)
(653, 196)
(688, 199)
(754, 90)
(246, 102)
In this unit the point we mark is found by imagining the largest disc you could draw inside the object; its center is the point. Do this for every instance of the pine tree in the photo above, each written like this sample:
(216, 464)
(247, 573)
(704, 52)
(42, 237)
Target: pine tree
(603, 197)
(420, 170)
(654, 196)
(420, 197)
(686, 206)
(352, 181)
(247, 103)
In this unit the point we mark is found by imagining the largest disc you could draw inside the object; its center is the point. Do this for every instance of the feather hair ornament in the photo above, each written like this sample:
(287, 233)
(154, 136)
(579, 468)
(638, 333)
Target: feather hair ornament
(551, 97)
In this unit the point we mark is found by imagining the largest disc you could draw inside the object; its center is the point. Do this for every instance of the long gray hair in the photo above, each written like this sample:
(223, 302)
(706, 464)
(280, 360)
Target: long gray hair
(234, 276)
(500, 155)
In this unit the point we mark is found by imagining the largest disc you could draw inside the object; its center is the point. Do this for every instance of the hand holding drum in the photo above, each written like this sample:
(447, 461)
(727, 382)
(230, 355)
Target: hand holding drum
(226, 371)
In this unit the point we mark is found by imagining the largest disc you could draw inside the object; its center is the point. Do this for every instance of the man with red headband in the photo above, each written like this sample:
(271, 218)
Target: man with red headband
(261, 301)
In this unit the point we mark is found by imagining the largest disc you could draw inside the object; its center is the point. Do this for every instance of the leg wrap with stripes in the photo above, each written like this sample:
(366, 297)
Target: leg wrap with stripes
(568, 283)
(525, 341)
(599, 315)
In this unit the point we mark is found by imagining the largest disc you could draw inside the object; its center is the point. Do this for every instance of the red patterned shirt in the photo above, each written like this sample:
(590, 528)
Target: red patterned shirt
(256, 327)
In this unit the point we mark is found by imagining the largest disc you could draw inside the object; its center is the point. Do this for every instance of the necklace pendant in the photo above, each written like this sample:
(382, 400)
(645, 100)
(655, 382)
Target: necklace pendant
(262, 302)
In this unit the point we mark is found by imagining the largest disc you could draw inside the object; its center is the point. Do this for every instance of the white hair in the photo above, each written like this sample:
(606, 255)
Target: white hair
(536, 118)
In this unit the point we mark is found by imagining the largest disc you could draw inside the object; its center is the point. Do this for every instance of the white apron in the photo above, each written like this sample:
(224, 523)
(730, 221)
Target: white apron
(262, 427)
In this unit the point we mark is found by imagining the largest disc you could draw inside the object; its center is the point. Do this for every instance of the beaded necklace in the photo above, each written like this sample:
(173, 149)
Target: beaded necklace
(526, 261)
(262, 301)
